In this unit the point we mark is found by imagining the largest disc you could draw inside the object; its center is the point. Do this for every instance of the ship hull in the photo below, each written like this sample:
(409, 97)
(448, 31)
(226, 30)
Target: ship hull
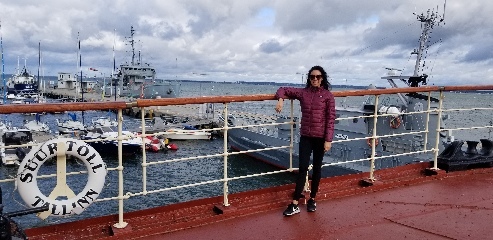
(21, 88)
(244, 140)
(353, 156)
(161, 90)
(110, 148)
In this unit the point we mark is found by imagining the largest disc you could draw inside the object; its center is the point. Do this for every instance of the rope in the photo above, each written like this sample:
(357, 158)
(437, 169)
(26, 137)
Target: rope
(436, 55)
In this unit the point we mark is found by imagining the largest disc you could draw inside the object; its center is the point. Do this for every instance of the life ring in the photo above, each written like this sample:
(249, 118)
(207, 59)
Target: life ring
(395, 122)
(368, 141)
(26, 179)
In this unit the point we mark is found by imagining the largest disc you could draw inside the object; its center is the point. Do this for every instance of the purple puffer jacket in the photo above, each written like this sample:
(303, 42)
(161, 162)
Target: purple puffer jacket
(318, 111)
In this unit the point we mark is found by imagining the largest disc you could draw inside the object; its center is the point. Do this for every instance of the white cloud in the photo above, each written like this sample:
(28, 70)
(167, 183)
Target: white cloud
(256, 40)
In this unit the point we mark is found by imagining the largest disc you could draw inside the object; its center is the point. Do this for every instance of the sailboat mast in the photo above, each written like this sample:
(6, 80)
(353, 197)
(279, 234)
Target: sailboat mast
(3, 68)
(114, 64)
(39, 66)
(77, 68)
(43, 88)
(80, 67)
(81, 85)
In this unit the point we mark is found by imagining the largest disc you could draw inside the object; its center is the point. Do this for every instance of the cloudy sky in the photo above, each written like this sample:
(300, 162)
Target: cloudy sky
(254, 40)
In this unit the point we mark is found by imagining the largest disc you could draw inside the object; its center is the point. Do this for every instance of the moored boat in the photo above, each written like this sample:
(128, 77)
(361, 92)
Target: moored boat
(36, 125)
(23, 83)
(12, 151)
(69, 126)
(101, 122)
(187, 133)
(138, 80)
(105, 140)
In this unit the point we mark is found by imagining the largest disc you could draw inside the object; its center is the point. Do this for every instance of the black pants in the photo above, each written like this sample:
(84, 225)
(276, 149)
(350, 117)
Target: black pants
(306, 147)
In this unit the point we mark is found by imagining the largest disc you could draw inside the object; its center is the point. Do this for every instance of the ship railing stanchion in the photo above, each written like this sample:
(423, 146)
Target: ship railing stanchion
(437, 141)
(373, 140)
(370, 181)
(144, 155)
(292, 136)
(225, 184)
(427, 125)
(121, 223)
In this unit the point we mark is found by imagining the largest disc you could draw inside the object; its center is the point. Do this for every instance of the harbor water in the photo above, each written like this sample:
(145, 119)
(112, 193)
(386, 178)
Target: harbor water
(198, 170)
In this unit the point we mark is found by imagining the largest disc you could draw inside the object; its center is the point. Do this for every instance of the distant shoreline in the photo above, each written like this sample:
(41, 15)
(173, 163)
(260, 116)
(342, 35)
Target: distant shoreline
(55, 78)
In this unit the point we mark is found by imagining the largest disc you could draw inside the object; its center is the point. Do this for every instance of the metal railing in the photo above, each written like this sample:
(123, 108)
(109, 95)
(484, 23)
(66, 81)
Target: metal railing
(145, 104)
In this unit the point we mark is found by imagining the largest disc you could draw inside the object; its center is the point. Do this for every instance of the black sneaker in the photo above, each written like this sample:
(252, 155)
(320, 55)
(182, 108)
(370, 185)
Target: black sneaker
(311, 205)
(291, 210)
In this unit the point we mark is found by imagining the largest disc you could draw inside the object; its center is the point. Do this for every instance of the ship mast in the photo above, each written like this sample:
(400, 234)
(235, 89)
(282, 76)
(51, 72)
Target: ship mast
(429, 21)
(113, 70)
(81, 81)
(3, 67)
(132, 42)
(77, 62)
(39, 68)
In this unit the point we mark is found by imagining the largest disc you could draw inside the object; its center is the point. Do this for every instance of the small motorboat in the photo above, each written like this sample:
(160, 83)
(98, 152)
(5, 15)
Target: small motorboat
(187, 133)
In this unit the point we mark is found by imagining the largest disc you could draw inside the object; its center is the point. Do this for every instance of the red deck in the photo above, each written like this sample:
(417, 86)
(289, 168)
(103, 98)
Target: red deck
(402, 204)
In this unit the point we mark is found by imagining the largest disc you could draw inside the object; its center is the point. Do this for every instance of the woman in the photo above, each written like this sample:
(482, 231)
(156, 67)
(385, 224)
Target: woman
(317, 130)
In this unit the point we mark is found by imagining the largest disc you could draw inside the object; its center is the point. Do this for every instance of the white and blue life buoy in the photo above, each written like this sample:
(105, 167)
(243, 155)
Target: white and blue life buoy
(27, 184)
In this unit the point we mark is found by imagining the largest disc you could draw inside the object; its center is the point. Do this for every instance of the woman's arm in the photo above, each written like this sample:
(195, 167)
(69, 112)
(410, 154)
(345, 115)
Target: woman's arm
(286, 92)
(279, 105)
(330, 116)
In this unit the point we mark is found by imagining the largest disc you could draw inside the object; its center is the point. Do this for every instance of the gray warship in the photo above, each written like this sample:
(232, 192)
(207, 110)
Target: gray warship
(138, 80)
(354, 126)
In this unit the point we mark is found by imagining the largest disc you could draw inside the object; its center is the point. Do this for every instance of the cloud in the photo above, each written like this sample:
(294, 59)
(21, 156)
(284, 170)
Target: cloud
(271, 46)
(252, 40)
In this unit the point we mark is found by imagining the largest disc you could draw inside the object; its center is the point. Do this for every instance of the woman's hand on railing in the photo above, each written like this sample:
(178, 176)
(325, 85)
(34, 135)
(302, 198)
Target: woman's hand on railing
(279, 105)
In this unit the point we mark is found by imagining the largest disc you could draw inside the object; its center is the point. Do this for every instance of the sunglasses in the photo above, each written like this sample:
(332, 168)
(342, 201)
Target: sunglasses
(313, 77)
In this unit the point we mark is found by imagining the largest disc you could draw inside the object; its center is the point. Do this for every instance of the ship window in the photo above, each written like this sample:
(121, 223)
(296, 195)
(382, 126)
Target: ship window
(355, 120)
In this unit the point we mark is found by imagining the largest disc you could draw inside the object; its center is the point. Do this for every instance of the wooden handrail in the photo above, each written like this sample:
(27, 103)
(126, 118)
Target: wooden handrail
(83, 106)
(61, 107)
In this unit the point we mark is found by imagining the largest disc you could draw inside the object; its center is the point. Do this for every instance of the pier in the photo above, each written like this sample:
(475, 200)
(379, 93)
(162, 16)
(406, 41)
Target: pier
(192, 112)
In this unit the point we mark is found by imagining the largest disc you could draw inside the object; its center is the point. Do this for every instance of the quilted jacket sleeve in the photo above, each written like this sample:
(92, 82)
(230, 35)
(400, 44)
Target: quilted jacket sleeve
(289, 93)
(330, 114)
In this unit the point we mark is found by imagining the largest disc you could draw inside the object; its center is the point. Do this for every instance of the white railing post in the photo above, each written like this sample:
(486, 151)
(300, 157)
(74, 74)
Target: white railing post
(291, 145)
(121, 223)
(225, 183)
(374, 139)
(427, 125)
(437, 143)
(144, 154)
